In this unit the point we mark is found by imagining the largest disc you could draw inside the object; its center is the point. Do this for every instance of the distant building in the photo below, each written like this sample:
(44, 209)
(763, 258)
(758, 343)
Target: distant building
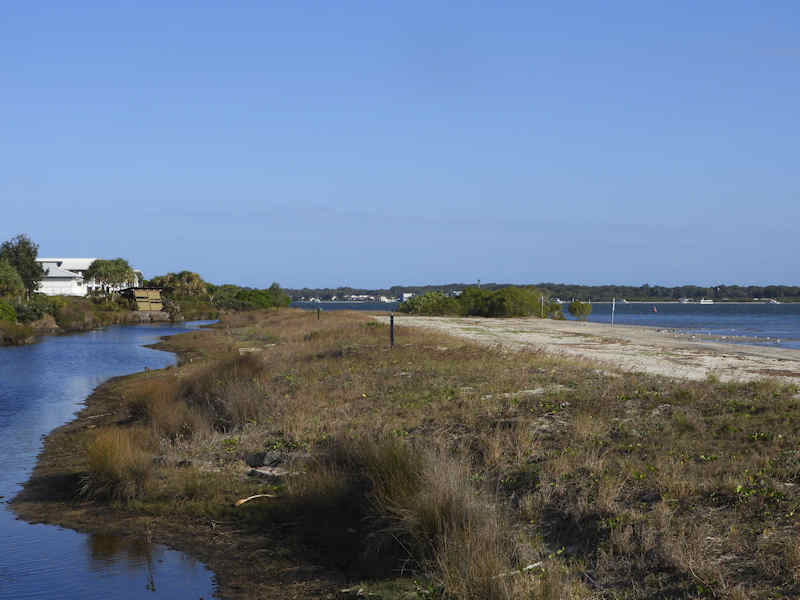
(408, 295)
(66, 277)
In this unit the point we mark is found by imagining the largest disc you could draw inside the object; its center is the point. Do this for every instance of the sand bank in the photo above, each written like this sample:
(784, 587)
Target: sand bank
(625, 347)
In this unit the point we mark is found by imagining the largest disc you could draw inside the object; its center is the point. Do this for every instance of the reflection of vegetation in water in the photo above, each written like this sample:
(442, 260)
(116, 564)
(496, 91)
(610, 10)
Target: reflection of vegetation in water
(137, 552)
(105, 549)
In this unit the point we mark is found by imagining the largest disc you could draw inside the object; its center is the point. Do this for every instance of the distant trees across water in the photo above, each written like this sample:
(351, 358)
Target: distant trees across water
(566, 291)
(657, 292)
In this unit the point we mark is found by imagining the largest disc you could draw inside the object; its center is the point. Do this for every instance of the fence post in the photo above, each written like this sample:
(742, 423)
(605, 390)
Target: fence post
(317, 313)
(391, 330)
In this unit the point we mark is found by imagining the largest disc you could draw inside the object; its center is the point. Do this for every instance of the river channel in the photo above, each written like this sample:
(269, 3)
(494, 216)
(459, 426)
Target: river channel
(41, 387)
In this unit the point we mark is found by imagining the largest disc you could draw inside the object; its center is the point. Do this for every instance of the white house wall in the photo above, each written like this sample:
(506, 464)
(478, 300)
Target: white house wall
(62, 287)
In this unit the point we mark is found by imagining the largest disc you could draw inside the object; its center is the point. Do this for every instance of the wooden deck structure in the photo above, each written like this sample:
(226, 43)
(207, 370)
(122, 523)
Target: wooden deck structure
(145, 298)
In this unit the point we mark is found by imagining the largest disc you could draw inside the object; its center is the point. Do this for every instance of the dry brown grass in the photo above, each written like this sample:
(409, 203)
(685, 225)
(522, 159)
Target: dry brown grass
(622, 486)
(118, 465)
(426, 513)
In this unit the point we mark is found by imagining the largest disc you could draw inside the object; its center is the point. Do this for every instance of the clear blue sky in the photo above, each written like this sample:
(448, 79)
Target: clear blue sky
(378, 143)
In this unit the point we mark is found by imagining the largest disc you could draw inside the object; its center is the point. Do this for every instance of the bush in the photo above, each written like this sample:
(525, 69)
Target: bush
(432, 303)
(554, 310)
(34, 309)
(118, 468)
(72, 312)
(233, 297)
(475, 301)
(514, 302)
(7, 312)
(28, 312)
(509, 301)
(14, 334)
(580, 310)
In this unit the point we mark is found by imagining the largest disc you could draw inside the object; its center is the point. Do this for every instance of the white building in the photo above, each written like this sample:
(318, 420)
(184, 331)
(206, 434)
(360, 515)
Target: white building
(65, 277)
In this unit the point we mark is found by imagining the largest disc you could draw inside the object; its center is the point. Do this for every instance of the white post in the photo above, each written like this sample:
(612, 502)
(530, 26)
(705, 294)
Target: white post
(613, 306)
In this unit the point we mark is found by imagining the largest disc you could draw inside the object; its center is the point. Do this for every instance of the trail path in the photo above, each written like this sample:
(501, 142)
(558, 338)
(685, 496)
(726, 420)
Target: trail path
(630, 348)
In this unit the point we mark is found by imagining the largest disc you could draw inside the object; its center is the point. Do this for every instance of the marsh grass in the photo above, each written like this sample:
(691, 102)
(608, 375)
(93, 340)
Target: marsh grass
(459, 463)
(418, 510)
(119, 466)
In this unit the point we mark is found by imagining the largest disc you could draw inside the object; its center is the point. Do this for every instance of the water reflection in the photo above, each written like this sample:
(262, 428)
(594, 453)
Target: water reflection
(105, 549)
(138, 556)
(41, 387)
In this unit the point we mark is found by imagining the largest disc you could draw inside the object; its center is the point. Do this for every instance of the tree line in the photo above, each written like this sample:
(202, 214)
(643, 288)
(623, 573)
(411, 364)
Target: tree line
(566, 291)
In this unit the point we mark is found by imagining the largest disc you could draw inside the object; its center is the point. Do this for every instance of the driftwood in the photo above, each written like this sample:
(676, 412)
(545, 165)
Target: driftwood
(531, 567)
(243, 500)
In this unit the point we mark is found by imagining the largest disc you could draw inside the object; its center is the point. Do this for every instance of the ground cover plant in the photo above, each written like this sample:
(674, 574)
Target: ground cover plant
(443, 469)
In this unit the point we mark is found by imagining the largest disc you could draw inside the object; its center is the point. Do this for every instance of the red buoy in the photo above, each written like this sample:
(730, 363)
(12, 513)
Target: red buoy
(655, 309)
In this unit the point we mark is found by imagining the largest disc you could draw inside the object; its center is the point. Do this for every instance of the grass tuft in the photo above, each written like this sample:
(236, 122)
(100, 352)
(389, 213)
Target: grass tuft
(118, 467)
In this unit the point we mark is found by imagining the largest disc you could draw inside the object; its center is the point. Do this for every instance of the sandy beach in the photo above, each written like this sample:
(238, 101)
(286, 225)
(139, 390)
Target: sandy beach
(624, 347)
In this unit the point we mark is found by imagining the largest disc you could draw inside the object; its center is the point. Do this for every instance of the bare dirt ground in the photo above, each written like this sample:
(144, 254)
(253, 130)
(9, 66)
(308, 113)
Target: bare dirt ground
(625, 347)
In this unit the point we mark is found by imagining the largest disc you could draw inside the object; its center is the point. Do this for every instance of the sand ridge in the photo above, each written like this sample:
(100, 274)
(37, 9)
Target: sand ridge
(625, 347)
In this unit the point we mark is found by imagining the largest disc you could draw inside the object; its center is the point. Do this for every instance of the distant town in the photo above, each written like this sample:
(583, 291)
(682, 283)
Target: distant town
(402, 297)
(592, 293)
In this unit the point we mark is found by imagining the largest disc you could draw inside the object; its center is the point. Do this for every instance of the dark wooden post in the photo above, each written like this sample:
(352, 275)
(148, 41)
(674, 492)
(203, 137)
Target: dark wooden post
(317, 313)
(391, 330)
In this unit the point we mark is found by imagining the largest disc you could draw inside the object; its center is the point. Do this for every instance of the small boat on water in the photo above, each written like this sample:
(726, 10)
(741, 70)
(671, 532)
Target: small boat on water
(706, 301)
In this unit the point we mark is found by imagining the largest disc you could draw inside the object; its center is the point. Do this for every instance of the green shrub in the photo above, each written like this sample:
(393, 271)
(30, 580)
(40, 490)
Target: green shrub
(511, 301)
(432, 303)
(554, 310)
(10, 282)
(72, 313)
(28, 312)
(475, 301)
(233, 297)
(580, 310)
(514, 302)
(7, 312)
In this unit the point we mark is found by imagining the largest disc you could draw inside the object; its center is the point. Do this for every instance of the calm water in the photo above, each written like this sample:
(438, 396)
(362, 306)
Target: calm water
(41, 387)
(768, 324)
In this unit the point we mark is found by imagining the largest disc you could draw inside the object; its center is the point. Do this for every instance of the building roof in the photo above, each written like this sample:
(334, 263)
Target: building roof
(70, 264)
(53, 270)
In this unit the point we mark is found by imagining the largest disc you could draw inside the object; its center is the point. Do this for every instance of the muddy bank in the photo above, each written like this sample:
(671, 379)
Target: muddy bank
(17, 334)
(246, 563)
